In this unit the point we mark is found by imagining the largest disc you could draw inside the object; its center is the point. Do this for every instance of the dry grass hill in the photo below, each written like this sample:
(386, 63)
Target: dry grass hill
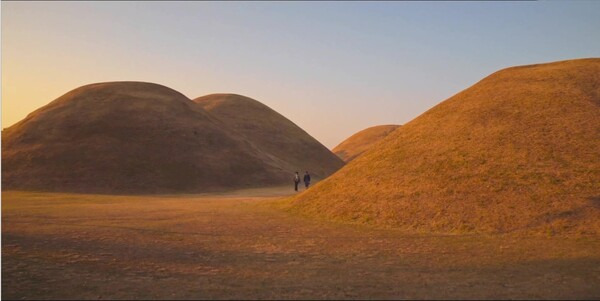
(283, 141)
(517, 151)
(132, 137)
(358, 143)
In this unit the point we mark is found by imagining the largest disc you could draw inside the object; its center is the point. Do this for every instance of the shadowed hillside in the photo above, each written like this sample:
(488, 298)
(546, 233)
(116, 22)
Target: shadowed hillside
(518, 151)
(283, 141)
(131, 137)
(358, 143)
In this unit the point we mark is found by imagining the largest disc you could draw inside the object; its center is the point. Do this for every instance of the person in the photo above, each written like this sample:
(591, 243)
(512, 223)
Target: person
(306, 179)
(296, 181)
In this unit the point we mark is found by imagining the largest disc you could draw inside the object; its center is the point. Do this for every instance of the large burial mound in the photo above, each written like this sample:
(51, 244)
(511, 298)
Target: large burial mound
(284, 142)
(518, 151)
(130, 137)
(358, 143)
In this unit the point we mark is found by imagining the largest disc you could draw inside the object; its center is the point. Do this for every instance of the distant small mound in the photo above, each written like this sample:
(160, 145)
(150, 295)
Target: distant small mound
(129, 137)
(280, 139)
(518, 151)
(358, 143)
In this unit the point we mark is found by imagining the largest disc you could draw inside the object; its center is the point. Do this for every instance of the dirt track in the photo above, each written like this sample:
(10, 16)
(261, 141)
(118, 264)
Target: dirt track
(67, 246)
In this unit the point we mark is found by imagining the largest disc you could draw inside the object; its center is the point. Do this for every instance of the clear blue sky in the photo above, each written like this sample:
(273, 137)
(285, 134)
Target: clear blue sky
(333, 68)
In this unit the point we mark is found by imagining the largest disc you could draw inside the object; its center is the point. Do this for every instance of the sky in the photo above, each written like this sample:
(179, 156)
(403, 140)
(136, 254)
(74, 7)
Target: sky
(333, 68)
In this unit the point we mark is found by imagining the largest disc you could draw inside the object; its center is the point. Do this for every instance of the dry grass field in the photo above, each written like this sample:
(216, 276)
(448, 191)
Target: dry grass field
(241, 245)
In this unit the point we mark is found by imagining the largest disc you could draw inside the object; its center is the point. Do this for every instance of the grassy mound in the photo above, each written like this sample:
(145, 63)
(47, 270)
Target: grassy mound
(517, 151)
(358, 143)
(131, 137)
(272, 133)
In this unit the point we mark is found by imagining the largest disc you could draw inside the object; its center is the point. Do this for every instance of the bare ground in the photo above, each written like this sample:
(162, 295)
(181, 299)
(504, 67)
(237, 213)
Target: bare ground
(238, 246)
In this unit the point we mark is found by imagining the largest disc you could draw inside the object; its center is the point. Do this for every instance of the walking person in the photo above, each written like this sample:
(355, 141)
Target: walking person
(306, 179)
(296, 181)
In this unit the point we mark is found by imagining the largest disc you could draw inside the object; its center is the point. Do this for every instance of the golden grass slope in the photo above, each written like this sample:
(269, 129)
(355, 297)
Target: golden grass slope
(129, 137)
(517, 151)
(358, 143)
(283, 141)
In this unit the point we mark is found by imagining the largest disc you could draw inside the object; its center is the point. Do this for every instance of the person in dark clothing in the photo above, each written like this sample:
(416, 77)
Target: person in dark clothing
(306, 179)
(296, 181)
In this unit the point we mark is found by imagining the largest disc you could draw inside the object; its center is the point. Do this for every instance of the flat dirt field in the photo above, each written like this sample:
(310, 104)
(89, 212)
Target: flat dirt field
(238, 245)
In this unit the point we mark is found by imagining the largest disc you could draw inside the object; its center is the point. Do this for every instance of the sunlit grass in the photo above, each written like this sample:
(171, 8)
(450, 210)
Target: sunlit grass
(518, 151)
